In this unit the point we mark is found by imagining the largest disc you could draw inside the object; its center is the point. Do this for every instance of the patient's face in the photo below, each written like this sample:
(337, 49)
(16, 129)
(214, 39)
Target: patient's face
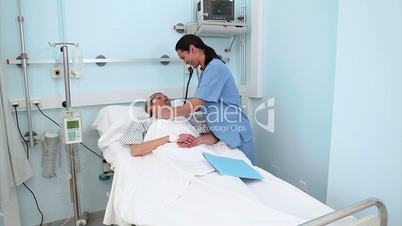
(160, 100)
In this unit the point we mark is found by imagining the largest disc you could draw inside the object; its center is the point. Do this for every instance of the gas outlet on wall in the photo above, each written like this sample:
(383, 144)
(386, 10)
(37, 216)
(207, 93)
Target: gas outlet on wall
(57, 73)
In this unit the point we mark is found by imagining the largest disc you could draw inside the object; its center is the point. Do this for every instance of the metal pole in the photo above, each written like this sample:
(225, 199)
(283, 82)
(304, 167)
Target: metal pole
(72, 148)
(24, 58)
(73, 180)
(64, 49)
(339, 214)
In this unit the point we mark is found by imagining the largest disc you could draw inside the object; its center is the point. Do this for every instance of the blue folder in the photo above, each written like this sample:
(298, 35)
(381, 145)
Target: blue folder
(232, 167)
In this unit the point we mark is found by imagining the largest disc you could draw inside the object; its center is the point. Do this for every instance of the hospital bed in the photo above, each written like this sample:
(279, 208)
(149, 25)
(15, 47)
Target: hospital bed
(175, 187)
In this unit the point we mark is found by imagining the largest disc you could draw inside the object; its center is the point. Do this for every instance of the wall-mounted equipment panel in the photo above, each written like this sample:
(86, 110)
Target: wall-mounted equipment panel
(216, 28)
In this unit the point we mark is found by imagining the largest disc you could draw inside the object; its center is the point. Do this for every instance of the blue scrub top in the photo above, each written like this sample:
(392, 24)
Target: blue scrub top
(221, 97)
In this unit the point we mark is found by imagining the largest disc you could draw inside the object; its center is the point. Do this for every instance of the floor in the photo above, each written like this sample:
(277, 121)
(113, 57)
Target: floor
(94, 219)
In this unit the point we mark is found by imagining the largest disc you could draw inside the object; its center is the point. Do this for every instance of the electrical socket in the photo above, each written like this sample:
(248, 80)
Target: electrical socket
(302, 185)
(14, 103)
(21, 103)
(35, 101)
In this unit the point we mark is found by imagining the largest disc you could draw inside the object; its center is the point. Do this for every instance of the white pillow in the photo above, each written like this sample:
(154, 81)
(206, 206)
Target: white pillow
(115, 115)
(121, 114)
(112, 122)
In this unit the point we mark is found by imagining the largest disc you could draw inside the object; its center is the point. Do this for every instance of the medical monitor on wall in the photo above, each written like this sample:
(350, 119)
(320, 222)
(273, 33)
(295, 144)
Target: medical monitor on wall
(222, 10)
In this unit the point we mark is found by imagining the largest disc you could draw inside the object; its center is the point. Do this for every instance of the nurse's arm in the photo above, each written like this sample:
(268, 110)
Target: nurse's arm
(207, 138)
(189, 107)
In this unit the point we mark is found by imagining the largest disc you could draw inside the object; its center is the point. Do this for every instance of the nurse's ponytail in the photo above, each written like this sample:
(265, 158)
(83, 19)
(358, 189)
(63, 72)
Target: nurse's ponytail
(210, 54)
(189, 39)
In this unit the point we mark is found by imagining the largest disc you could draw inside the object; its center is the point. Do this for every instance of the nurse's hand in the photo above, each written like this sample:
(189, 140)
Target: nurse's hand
(187, 141)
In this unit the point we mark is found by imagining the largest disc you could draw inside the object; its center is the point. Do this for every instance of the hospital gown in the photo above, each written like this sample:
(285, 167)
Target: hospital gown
(138, 128)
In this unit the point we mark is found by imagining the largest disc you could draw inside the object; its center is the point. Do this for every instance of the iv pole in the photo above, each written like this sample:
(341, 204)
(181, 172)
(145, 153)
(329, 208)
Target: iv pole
(71, 148)
(24, 60)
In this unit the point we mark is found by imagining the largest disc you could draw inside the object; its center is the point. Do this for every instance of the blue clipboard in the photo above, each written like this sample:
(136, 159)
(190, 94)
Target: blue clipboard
(232, 167)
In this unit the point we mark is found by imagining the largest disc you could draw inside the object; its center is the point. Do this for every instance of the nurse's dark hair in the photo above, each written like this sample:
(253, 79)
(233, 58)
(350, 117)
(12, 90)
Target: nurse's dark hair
(189, 39)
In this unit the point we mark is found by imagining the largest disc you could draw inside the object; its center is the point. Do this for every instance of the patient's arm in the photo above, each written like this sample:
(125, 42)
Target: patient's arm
(148, 146)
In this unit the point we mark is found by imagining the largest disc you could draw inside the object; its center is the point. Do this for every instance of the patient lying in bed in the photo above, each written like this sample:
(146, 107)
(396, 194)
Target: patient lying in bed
(168, 185)
(173, 186)
(134, 136)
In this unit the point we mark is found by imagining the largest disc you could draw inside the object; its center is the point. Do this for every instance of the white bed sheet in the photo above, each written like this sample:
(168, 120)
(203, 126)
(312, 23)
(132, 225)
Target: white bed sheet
(190, 199)
(277, 199)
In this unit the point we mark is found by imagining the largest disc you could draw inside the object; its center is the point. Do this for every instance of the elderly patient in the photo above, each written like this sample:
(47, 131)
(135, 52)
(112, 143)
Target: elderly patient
(134, 136)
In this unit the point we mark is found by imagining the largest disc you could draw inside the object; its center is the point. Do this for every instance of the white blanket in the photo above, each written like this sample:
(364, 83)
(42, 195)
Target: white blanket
(176, 186)
(152, 191)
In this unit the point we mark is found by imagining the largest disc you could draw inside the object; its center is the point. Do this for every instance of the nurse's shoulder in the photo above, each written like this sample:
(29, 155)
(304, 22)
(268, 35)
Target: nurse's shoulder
(217, 67)
(215, 63)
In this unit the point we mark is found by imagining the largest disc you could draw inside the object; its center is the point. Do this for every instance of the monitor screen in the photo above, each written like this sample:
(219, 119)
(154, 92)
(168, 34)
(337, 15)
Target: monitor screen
(221, 8)
(73, 124)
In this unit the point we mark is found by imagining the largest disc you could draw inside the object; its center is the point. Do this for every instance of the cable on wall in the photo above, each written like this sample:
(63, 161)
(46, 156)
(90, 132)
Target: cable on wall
(26, 144)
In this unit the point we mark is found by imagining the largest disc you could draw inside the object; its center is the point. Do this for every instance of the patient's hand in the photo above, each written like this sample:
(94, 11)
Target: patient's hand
(187, 141)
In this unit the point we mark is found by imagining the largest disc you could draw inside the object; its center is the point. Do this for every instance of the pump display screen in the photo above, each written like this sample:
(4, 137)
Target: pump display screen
(72, 124)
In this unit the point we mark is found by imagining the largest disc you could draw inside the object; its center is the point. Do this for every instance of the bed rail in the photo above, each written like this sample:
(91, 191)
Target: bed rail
(348, 211)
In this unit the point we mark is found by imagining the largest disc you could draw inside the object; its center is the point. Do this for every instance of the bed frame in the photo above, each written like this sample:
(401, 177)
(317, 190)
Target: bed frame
(371, 220)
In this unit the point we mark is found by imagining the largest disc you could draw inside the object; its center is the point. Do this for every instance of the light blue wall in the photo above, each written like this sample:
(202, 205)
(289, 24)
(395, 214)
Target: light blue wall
(365, 158)
(116, 29)
(1, 217)
(299, 67)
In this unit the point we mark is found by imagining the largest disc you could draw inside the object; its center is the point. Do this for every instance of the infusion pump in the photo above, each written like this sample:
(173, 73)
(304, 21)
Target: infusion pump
(72, 127)
(222, 10)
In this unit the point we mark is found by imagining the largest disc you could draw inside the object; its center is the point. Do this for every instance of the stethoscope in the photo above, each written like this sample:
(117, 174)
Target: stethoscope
(190, 70)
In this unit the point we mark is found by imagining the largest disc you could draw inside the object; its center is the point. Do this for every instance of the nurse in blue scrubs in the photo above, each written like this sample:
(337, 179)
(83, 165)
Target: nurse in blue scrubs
(217, 96)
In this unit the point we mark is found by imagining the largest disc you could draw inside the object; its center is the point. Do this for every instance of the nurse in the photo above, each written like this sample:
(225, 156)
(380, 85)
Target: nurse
(217, 96)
